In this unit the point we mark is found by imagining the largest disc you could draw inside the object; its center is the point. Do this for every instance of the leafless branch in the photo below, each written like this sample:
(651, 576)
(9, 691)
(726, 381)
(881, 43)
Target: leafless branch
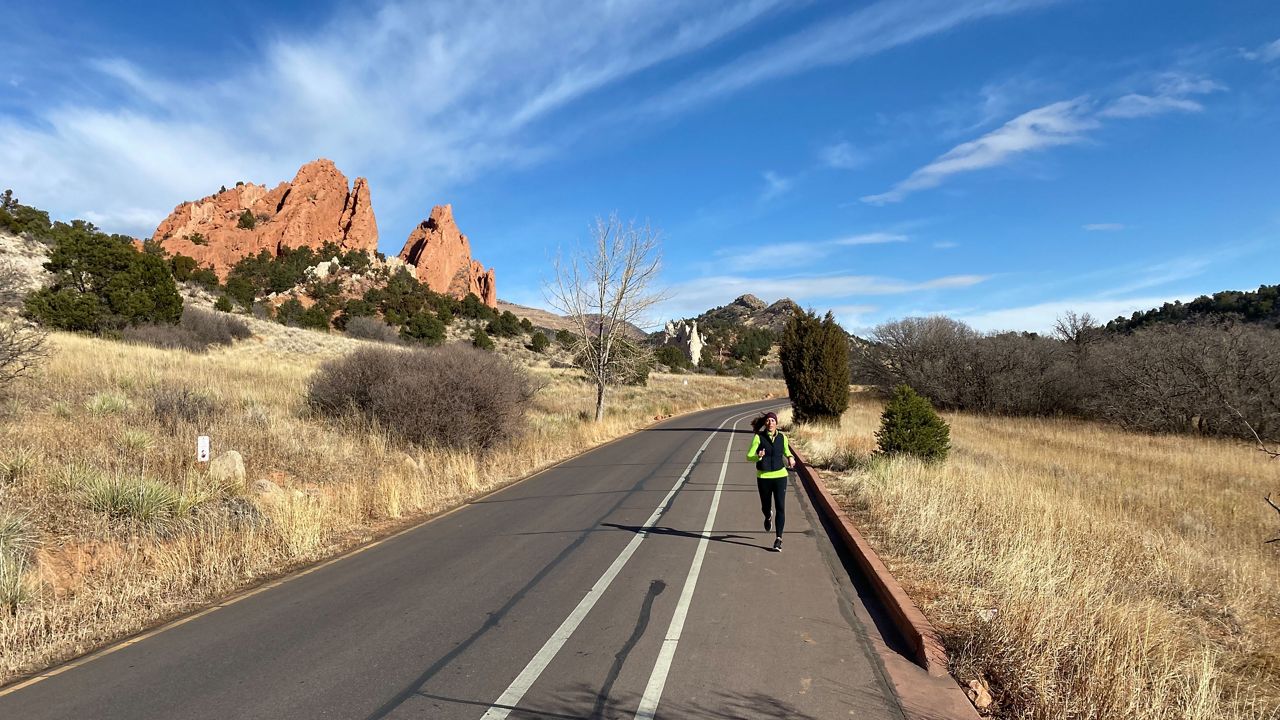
(1262, 446)
(21, 348)
(604, 290)
(1277, 509)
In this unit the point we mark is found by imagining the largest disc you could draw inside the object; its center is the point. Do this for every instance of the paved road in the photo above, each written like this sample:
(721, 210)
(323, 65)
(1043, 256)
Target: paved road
(548, 599)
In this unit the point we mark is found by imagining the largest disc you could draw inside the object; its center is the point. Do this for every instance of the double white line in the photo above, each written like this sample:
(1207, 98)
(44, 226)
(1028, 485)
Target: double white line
(653, 692)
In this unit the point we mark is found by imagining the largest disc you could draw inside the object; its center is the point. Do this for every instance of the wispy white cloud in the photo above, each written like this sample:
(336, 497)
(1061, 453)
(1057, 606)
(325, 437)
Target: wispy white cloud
(1061, 123)
(1066, 122)
(775, 186)
(864, 32)
(415, 96)
(842, 156)
(872, 238)
(1104, 227)
(946, 244)
(801, 253)
(1266, 53)
(1173, 92)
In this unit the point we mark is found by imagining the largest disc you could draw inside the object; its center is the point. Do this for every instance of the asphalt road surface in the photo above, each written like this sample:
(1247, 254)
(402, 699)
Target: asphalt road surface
(633, 581)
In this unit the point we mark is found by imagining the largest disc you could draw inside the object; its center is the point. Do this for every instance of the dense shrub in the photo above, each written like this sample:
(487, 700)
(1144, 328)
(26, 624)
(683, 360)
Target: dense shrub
(247, 220)
(197, 331)
(671, 356)
(182, 266)
(539, 343)
(102, 282)
(215, 328)
(505, 325)
(815, 364)
(474, 308)
(290, 312)
(371, 328)
(751, 345)
(565, 338)
(423, 328)
(909, 426)
(453, 396)
(265, 273)
(173, 405)
(352, 309)
(403, 297)
(205, 278)
(223, 304)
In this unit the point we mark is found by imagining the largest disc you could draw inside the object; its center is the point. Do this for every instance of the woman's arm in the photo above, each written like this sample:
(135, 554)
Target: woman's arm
(755, 446)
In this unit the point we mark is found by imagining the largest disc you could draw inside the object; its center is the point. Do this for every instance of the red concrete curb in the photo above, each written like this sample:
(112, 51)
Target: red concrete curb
(915, 627)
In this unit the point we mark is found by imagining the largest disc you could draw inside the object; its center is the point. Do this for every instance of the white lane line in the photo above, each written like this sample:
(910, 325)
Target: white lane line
(658, 680)
(507, 702)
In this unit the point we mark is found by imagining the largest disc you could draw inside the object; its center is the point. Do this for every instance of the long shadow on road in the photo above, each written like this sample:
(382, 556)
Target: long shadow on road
(581, 701)
(660, 530)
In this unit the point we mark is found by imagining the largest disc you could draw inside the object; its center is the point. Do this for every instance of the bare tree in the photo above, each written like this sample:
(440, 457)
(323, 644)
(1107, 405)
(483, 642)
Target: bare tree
(1077, 332)
(11, 285)
(21, 343)
(605, 289)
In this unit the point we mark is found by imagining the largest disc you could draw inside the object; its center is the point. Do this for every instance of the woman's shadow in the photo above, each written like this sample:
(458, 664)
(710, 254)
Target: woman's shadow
(660, 530)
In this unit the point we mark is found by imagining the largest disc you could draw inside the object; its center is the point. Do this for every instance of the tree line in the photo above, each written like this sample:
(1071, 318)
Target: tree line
(1219, 377)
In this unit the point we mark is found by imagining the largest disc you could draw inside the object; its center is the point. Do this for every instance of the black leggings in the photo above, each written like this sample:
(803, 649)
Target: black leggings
(773, 490)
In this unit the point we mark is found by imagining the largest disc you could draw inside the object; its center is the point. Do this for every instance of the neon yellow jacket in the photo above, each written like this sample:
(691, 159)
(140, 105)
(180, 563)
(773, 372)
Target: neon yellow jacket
(768, 474)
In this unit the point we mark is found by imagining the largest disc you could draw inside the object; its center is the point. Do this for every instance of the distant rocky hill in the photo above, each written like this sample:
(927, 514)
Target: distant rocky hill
(315, 209)
(749, 311)
(743, 333)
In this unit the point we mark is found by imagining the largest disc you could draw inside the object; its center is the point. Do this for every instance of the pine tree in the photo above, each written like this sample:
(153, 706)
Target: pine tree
(815, 365)
(909, 426)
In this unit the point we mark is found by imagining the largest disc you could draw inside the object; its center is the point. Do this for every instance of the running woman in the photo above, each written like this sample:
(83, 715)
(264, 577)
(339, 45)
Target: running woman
(772, 455)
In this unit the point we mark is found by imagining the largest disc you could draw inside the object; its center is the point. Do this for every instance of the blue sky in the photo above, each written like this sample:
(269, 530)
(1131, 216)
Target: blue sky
(999, 161)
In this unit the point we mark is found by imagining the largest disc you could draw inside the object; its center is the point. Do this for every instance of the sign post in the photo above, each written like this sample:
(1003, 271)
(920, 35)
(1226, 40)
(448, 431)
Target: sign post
(202, 448)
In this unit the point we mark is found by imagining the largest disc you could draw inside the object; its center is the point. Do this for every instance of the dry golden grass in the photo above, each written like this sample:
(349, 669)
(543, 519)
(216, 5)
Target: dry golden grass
(85, 428)
(1081, 570)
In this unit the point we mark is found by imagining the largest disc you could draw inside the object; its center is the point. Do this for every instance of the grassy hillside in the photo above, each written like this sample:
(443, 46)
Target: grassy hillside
(107, 523)
(1080, 570)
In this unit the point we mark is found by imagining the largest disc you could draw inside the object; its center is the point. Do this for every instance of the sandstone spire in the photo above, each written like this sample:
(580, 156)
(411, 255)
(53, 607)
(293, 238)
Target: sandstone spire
(441, 259)
(316, 208)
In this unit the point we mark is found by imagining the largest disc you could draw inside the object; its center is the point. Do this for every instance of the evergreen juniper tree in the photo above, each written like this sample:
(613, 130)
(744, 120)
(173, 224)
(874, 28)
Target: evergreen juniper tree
(815, 365)
(910, 426)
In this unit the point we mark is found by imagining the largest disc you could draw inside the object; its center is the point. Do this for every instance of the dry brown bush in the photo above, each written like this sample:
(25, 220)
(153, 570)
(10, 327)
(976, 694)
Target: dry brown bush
(197, 331)
(453, 396)
(370, 328)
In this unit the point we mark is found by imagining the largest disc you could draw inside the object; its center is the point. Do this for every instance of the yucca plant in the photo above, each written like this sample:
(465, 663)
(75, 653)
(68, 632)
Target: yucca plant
(17, 464)
(17, 539)
(107, 403)
(13, 586)
(142, 500)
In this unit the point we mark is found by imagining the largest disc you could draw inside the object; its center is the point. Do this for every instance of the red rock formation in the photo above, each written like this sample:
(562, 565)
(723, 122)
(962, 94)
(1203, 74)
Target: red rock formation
(441, 258)
(316, 208)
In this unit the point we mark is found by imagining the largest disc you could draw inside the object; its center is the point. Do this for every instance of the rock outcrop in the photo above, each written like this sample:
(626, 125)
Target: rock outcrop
(318, 207)
(750, 311)
(685, 336)
(441, 259)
